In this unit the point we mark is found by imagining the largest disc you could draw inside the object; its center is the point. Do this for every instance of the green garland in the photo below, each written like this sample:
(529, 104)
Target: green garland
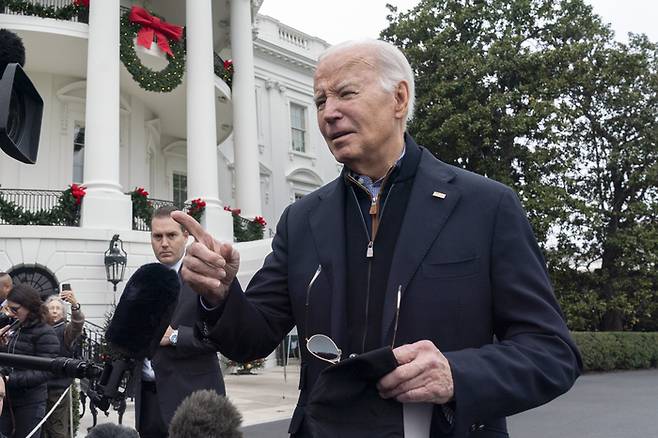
(66, 212)
(142, 207)
(159, 81)
(60, 13)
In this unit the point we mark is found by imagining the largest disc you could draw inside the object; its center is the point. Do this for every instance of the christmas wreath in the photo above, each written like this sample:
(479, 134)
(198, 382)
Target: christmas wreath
(140, 24)
(66, 212)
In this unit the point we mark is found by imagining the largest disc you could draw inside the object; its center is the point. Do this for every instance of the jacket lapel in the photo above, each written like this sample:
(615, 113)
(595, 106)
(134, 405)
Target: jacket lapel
(431, 201)
(328, 228)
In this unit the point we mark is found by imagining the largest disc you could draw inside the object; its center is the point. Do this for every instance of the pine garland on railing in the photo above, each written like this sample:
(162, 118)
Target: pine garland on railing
(245, 230)
(142, 207)
(66, 212)
(72, 10)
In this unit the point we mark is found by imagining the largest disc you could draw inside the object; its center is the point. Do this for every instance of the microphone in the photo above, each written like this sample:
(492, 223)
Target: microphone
(144, 311)
(60, 366)
(12, 50)
(206, 413)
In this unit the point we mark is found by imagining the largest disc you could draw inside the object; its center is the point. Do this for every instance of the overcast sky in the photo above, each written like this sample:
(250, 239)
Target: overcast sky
(338, 20)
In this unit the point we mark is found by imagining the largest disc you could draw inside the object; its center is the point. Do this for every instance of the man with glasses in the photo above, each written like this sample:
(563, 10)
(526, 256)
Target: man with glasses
(401, 250)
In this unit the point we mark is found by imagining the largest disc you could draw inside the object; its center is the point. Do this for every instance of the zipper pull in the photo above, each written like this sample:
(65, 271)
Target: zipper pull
(373, 207)
(370, 252)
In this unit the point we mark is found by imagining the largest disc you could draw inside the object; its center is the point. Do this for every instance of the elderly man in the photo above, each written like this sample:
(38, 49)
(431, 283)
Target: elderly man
(400, 250)
(5, 285)
(182, 364)
(68, 333)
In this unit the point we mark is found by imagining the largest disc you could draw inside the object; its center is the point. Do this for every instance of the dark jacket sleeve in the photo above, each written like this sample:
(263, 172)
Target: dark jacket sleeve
(534, 359)
(46, 345)
(189, 345)
(250, 329)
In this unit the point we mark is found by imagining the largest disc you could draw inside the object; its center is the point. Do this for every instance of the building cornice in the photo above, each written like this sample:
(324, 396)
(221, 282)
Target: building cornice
(286, 56)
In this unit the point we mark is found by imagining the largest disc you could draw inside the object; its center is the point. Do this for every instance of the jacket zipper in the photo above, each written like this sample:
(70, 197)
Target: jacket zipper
(375, 220)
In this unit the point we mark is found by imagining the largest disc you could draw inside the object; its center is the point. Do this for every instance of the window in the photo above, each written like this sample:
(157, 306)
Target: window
(180, 190)
(39, 278)
(78, 153)
(298, 127)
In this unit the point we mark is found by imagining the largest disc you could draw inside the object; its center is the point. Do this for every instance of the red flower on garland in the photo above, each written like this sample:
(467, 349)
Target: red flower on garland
(228, 65)
(198, 204)
(260, 221)
(84, 3)
(141, 192)
(78, 192)
(235, 211)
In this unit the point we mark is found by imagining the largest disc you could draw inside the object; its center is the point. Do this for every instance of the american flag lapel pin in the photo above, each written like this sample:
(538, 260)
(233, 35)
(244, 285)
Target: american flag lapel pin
(439, 195)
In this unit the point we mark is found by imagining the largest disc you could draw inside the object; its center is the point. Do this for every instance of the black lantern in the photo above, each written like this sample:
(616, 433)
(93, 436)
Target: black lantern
(115, 261)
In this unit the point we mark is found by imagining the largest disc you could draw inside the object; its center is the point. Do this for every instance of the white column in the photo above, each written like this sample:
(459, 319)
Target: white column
(202, 174)
(105, 205)
(245, 140)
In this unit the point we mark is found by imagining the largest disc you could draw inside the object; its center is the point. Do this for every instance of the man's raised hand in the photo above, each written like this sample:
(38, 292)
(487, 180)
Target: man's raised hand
(209, 267)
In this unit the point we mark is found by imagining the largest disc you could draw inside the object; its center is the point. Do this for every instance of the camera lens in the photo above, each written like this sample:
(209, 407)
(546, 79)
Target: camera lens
(16, 117)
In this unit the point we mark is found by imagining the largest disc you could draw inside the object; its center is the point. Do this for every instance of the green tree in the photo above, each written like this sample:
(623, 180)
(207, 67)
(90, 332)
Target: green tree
(536, 94)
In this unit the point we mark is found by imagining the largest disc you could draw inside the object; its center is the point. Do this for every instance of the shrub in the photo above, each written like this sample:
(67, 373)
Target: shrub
(605, 351)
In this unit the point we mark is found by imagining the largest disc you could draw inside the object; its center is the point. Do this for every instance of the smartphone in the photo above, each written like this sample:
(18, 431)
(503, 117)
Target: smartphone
(14, 324)
(66, 286)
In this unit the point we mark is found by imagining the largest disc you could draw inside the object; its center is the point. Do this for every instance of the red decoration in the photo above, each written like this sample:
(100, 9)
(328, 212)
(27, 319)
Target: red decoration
(154, 27)
(235, 211)
(141, 192)
(78, 192)
(84, 3)
(198, 204)
(260, 221)
(228, 65)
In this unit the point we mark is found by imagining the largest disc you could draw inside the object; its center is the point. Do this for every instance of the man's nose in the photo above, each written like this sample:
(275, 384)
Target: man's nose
(331, 111)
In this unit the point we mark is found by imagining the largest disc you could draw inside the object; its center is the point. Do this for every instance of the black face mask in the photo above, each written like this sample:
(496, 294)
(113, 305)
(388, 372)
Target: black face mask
(345, 402)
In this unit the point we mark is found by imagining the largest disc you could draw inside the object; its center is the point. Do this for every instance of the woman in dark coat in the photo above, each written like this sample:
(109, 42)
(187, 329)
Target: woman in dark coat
(27, 390)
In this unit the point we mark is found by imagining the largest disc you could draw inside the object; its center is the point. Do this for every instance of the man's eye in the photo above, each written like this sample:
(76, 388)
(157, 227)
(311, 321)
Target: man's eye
(319, 104)
(347, 93)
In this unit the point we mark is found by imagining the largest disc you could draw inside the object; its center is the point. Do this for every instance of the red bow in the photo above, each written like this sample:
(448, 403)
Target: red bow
(84, 3)
(153, 26)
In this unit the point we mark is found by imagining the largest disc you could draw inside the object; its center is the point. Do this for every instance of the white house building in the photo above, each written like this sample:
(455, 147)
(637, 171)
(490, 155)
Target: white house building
(252, 143)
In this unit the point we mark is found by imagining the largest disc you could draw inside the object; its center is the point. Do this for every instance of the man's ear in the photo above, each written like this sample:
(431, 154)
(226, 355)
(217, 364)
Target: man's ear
(401, 96)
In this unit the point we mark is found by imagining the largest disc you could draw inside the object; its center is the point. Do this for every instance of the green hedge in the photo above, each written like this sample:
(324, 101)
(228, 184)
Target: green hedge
(605, 351)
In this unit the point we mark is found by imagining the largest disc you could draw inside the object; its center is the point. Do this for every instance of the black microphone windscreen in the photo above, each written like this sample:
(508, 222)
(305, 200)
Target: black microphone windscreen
(206, 414)
(11, 50)
(144, 311)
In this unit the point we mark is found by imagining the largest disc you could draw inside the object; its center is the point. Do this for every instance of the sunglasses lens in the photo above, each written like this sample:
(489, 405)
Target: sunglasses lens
(323, 347)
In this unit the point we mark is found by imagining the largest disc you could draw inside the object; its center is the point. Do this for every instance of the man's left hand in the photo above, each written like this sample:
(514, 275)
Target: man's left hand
(165, 338)
(423, 375)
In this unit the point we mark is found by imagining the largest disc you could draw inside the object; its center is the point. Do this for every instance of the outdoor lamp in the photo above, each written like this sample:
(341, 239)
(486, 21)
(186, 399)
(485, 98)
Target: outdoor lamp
(115, 261)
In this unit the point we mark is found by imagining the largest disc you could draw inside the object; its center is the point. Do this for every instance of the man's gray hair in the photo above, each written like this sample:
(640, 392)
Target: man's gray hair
(392, 65)
(55, 299)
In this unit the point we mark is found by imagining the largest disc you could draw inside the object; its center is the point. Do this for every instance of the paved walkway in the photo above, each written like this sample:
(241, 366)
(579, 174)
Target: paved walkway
(610, 405)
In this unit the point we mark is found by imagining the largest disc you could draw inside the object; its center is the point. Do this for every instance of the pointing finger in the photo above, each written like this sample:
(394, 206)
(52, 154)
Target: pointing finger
(194, 228)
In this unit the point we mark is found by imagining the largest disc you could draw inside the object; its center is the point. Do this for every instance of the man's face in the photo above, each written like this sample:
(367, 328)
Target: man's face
(168, 240)
(5, 286)
(55, 312)
(360, 121)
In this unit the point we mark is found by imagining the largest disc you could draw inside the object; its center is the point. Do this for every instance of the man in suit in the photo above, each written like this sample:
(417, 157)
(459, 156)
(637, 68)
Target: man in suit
(182, 364)
(406, 251)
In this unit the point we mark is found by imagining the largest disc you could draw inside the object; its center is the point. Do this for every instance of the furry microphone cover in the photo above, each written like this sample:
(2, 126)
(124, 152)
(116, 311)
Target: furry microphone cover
(144, 311)
(206, 414)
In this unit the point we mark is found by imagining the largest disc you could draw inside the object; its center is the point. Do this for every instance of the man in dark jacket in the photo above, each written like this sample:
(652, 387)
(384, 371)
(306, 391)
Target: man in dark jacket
(401, 251)
(182, 364)
(68, 333)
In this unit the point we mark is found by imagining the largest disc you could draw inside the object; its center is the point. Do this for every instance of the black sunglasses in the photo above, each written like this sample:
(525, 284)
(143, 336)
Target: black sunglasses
(322, 346)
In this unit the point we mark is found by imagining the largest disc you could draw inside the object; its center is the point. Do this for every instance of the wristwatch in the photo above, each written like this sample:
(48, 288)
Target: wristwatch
(75, 307)
(173, 337)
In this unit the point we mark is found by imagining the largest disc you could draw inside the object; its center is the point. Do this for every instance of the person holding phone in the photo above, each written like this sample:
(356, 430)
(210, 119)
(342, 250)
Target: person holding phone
(26, 389)
(68, 333)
